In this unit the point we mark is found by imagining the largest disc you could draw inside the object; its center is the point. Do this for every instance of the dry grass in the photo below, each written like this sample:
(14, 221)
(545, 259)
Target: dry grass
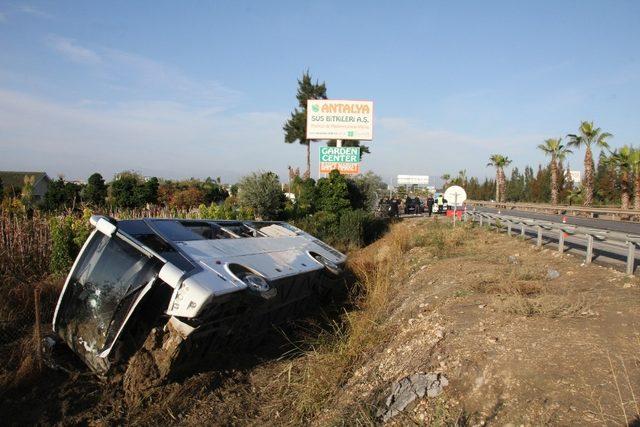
(25, 245)
(516, 280)
(21, 364)
(334, 355)
(443, 240)
(553, 306)
(18, 343)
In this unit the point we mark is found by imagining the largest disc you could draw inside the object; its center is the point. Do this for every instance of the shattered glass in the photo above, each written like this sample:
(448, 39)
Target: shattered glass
(108, 270)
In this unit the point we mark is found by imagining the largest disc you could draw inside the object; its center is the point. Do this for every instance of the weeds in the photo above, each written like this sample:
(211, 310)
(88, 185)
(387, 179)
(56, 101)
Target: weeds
(442, 239)
(553, 306)
(24, 246)
(335, 355)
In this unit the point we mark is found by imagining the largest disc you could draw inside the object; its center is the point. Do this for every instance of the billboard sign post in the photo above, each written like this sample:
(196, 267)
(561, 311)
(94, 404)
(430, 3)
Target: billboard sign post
(413, 180)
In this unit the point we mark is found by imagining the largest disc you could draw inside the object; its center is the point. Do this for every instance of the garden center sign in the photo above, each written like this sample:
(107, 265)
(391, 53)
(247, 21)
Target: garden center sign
(344, 159)
(339, 119)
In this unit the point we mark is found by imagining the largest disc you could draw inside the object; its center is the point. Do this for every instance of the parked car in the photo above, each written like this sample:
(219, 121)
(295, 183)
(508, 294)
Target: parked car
(388, 208)
(413, 206)
(188, 287)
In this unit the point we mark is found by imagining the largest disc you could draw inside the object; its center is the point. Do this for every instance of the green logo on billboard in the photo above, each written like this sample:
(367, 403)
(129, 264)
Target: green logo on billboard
(315, 108)
(350, 133)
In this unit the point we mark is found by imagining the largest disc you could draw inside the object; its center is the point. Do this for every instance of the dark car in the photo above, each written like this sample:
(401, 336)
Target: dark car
(413, 206)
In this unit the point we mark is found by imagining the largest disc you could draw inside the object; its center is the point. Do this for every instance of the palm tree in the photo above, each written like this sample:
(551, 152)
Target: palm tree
(445, 177)
(635, 168)
(587, 136)
(622, 159)
(553, 147)
(499, 162)
(462, 177)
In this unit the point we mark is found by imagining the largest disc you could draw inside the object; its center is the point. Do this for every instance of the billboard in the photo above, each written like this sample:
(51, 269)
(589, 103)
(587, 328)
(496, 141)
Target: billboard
(339, 119)
(344, 159)
(413, 180)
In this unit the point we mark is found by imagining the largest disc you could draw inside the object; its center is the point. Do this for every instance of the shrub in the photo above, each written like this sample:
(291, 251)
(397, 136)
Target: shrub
(323, 225)
(350, 229)
(358, 228)
(62, 244)
(67, 237)
(261, 193)
(226, 210)
(95, 192)
(333, 193)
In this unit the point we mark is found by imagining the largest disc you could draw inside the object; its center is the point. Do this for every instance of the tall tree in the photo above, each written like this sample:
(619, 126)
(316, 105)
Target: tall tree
(553, 147)
(95, 192)
(541, 185)
(445, 177)
(499, 162)
(515, 186)
(61, 195)
(528, 182)
(605, 182)
(295, 129)
(622, 160)
(587, 136)
(635, 167)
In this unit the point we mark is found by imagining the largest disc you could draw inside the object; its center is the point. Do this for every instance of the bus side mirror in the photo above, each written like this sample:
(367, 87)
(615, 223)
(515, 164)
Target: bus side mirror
(103, 225)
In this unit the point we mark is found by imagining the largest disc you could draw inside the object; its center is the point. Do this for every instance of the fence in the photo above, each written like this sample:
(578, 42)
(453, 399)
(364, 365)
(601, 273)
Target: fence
(622, 240)
(592, 212)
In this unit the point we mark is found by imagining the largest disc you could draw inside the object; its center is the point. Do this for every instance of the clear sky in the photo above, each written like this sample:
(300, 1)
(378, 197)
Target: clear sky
(180, 89)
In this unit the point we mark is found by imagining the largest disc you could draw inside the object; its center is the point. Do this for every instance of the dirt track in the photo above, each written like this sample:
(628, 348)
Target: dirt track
(516, 346)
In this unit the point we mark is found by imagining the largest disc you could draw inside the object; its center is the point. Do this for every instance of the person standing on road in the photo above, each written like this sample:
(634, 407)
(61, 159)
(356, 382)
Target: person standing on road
(440, 202)
(394, 207)
(430, 204)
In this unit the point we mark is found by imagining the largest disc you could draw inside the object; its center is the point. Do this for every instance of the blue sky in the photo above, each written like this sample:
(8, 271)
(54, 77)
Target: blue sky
(180, 89)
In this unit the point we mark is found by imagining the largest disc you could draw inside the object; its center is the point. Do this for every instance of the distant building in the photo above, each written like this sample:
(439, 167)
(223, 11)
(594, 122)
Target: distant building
(12, 182)
(575, 177)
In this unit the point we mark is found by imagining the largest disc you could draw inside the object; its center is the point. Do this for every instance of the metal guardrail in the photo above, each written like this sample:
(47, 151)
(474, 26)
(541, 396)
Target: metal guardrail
(593, 212)
(623, 240)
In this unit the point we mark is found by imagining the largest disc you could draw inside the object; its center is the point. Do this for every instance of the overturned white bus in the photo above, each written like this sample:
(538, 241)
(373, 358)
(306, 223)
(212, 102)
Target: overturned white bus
(204, 284)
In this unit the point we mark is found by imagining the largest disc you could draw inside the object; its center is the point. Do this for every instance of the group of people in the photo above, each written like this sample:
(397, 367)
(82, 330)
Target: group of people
(440, 201)
(391, 206)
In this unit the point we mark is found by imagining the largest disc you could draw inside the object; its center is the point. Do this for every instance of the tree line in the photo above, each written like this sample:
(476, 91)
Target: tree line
(614, 179)
(127, 189)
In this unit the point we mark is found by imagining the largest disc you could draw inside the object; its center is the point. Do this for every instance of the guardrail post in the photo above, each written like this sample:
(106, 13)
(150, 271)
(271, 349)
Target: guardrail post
(481, 218)
(589, 249)
(631, 257)
(539, 238)
(509, 228)
(522, 230)
(561, 241)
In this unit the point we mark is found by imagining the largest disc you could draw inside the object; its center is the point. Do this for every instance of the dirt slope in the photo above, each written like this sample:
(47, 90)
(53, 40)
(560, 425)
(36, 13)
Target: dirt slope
(517, 345)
